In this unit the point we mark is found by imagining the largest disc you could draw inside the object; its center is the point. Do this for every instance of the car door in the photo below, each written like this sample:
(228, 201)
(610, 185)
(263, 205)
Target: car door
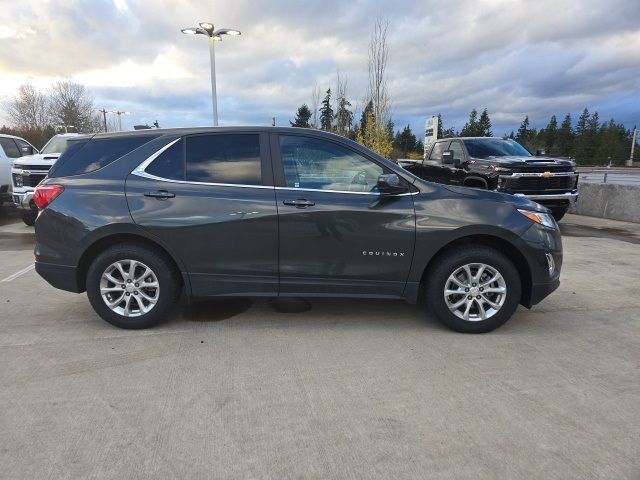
(338, 235)
(210, 199)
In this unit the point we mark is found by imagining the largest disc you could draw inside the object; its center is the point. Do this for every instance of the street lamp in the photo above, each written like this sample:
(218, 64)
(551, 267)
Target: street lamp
(214, 36)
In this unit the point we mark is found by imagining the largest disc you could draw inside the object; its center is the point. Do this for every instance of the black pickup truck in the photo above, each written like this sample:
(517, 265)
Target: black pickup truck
(500, 164)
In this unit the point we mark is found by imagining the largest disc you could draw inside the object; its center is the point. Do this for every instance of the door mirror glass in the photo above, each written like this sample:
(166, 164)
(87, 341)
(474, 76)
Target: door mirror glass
(27, 150)
(447, 157)
(540, 152)
(390, 184)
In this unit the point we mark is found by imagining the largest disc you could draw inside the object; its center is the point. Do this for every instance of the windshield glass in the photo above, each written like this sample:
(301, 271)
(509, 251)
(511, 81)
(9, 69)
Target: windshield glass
(55, 145)
(494, 147)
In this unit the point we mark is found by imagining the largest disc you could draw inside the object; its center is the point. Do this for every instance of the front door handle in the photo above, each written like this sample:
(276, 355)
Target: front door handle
(160, 194)
(299, 203)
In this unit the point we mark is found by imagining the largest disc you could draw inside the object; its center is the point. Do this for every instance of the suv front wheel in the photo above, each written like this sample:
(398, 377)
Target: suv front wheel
(473, 289)
(132, 286)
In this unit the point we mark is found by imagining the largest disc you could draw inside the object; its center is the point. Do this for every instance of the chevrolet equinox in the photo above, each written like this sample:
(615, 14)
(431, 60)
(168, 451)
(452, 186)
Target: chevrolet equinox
(136, 218)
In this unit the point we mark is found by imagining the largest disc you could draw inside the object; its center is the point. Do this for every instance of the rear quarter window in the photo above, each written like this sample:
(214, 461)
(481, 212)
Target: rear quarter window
(93, 154)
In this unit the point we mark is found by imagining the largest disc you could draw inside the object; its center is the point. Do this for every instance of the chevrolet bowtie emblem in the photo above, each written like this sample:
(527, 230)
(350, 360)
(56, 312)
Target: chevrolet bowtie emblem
(547, 174)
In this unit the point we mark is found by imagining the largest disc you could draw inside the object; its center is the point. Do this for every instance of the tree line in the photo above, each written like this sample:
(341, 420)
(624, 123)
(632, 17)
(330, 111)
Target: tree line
(374, 128)
(37, 116)
(588, 142)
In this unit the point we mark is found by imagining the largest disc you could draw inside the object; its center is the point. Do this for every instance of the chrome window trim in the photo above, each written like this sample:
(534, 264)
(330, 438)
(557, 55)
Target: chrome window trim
(140, 171)
(293, 189)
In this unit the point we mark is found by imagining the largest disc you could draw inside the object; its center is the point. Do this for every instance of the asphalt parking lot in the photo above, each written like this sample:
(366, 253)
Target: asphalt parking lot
(326, 388)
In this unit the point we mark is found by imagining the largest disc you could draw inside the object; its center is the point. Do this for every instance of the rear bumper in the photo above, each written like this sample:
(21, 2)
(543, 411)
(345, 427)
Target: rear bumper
(63, 277)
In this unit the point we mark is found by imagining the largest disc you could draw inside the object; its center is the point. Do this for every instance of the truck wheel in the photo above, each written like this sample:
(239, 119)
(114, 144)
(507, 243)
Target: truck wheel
(473, 289)
(558, 213)
(29, 217)
(132, 286)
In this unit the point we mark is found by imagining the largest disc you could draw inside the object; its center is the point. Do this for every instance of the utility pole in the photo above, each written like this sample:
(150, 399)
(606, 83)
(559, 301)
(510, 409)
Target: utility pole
(633, 146)
(104, 117)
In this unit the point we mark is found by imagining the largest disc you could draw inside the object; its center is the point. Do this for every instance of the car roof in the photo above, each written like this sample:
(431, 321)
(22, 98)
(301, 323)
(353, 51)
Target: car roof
(6, 135)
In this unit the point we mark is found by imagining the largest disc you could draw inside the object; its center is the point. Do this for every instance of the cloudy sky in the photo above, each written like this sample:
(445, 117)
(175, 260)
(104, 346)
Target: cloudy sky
(445, 56)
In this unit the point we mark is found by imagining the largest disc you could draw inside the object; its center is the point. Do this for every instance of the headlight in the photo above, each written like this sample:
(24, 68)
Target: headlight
(541, 218)
(17, 180)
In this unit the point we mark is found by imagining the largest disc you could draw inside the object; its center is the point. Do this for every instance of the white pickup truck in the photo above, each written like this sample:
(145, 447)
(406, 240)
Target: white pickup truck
(11, 147)
(27, 172)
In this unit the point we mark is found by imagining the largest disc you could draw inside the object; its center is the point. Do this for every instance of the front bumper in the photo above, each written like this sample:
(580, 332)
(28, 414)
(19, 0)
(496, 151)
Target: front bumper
(24, 200)
(569, 197)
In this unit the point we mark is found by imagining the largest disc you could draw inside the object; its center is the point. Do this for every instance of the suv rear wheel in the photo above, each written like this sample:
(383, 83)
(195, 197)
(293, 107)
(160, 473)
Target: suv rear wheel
(473, 289)
(132, 286)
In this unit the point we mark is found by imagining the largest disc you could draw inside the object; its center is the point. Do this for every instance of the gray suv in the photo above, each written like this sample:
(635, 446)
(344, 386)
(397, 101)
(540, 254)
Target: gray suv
(134, 219)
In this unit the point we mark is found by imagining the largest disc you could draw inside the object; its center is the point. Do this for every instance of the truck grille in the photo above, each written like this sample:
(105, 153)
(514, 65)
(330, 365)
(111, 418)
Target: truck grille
(537, 184)
(42, 168)
(28, 180)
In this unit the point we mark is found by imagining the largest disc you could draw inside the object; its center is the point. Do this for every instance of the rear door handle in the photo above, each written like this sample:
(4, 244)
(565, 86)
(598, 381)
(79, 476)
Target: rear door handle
(299, 203)
(160, 194)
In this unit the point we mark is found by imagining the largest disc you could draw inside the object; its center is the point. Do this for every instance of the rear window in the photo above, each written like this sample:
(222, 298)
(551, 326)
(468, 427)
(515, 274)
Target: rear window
(88, 156)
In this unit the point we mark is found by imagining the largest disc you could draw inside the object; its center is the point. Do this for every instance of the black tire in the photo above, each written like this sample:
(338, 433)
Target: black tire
(29, 217)
(168, 281)
(558, 213)
(448, 263)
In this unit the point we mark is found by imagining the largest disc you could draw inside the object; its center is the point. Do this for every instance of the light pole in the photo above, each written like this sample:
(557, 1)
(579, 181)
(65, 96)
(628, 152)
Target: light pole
(214, 36)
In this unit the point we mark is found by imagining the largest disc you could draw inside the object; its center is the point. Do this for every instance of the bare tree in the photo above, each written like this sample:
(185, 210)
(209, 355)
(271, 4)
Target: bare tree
(71, 105)
(378, 57)
(315, 104)
(376, 129)
(28, 109)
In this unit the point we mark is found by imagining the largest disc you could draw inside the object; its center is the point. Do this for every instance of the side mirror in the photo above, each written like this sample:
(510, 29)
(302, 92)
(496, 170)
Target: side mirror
(27, 150)
(390, 184)
(540, 152)
(447, 159)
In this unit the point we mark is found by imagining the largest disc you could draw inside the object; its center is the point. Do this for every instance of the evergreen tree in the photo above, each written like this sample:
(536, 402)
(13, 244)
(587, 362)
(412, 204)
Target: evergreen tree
(302, 117)
(549, 135)
(344, 117)
(326, 113)
(586, 138)
(450, 133)
(405, 141)
(470, 128)
(564, 138)
(484, 125)
(440, 129)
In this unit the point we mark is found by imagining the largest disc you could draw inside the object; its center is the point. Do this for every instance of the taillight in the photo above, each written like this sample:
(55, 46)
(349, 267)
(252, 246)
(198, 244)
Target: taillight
(45, 194)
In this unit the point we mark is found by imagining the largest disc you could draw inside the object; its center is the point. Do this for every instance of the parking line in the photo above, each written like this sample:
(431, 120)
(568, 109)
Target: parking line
(18, 273)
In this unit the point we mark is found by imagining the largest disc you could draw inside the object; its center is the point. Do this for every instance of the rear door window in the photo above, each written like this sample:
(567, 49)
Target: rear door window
(224, 158)
(170, 163)
(458, 151)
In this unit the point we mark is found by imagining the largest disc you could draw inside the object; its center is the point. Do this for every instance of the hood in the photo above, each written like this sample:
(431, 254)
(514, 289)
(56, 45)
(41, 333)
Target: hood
(481, 194)
(517, 161)
(37, 159)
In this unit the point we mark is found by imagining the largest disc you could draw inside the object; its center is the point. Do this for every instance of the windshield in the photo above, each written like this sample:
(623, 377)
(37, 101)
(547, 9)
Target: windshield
(55, 145)
(494, 147)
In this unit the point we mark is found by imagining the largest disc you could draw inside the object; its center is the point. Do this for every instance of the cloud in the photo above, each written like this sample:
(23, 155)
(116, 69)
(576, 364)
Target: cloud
(513, 57)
